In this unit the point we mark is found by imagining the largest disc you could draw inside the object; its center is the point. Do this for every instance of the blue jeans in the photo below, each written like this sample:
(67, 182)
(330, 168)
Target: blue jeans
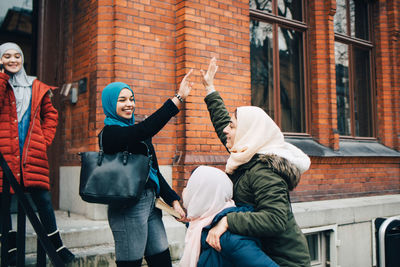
(138, 229)
(42, 200)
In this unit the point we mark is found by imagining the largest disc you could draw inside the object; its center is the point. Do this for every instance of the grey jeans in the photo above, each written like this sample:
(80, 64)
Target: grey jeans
(138, 229)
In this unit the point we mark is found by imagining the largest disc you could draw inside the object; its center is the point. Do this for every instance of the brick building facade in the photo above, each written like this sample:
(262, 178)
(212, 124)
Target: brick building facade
(152, 44)
(327, 71)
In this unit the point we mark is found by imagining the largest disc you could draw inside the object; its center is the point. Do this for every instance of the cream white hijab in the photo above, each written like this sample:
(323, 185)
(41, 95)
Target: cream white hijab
(20, 82)
(208, 191)
(257, 133)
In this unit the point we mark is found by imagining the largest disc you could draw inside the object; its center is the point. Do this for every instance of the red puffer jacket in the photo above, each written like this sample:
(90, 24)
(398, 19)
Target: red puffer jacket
(42, 128)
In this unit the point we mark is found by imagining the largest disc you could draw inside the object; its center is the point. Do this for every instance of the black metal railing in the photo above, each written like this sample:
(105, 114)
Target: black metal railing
(44, 245)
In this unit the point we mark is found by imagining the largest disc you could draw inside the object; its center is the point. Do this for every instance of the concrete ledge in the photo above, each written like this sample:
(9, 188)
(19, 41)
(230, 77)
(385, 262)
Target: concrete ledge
(345, 211)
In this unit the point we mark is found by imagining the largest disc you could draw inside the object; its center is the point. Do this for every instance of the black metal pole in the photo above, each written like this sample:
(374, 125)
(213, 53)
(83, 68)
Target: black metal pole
(40, 255)
(21, 233)
(5, 224)
(37, 226)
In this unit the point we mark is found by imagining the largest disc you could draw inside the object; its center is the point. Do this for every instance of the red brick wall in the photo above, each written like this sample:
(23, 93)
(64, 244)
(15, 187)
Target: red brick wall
(137, 46)
(393, 11)
(322, 80)
(128, 41)
(386, 28)
(80, 26)
(206, 29)
(152, 44)
(343, 177)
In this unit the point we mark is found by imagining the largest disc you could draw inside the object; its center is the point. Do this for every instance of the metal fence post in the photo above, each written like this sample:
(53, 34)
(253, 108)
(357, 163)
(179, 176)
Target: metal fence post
(5, 227)
(381, 240)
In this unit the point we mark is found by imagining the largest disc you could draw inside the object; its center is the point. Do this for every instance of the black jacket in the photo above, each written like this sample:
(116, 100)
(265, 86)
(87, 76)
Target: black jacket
(117, 139)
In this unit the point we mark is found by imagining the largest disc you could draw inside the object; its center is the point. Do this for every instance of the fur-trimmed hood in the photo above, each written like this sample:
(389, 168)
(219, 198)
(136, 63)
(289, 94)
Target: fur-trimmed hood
(283, 167)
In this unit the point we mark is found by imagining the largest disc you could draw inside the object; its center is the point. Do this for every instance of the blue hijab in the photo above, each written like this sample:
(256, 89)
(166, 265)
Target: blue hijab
(109, 99)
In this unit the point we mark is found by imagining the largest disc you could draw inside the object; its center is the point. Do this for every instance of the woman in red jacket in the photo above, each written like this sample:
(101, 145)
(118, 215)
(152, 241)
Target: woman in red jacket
(28, 124)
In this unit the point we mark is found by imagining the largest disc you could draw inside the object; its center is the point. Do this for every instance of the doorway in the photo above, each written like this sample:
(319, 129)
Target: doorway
(36, 26)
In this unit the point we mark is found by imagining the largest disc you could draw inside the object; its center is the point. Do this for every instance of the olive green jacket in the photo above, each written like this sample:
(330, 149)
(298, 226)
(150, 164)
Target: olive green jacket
(264, 182)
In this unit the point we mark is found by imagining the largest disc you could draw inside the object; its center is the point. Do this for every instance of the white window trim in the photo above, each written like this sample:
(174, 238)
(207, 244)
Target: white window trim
(333, 240)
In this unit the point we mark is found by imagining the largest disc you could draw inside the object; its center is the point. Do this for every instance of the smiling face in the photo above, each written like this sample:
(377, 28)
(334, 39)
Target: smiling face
(230, 132)
(12, 61)
(125, 104)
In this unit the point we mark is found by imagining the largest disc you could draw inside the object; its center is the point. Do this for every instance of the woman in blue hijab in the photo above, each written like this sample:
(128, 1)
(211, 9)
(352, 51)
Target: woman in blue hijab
(137, 228)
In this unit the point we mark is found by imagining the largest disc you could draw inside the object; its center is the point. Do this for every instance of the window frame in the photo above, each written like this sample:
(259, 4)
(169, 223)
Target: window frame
(327, 245)
(352, 43)
(320, 248)
(277, 21)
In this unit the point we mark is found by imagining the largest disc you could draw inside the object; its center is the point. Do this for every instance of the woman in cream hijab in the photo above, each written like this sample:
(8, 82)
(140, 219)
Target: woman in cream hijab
(207, 198)
(263, 169)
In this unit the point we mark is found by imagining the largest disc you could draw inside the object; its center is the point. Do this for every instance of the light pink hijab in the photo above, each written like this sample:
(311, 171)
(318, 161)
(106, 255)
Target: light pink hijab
(208, 191)
(257, 133)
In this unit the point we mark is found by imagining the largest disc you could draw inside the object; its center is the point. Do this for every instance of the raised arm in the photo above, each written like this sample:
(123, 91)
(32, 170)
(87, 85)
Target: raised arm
(218, 113)
(116, 138)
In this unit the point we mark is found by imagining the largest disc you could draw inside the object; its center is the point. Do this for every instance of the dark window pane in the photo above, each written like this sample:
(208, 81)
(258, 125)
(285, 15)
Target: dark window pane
(342, 88)
(261, 60)
(291, 80)
(362, 94)
(359, 19)
(290, 9)
(340, 19)
(264, 5)
(313, 246)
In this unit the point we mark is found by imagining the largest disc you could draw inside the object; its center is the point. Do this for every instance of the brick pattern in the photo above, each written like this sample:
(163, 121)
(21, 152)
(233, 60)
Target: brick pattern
(205, 29)
(322, 79)
(152, 44)
(386, 31)
(80, 21)
(393, 10)
(344, 177)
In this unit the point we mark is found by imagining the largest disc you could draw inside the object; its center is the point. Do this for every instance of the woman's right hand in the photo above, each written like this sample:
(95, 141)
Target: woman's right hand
(186, 85)
(208, 78)
(184, 89)
(213, 236)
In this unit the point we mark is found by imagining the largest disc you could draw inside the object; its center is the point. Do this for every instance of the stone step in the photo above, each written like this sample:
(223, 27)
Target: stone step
(99, 256)
(92, 241)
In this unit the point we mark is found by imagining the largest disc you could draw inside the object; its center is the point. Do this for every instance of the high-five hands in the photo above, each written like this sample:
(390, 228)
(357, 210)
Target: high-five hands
(207, 79)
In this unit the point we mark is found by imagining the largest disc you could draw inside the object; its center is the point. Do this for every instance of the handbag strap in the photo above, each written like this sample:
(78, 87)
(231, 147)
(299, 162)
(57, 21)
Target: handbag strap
(101, 139)
(102, 151)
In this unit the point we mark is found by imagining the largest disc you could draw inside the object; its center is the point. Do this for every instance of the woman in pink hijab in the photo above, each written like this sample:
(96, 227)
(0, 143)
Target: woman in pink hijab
(207, 198)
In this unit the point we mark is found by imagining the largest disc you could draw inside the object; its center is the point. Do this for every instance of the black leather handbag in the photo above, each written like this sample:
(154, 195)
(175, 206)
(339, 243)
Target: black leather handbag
(113, 178)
